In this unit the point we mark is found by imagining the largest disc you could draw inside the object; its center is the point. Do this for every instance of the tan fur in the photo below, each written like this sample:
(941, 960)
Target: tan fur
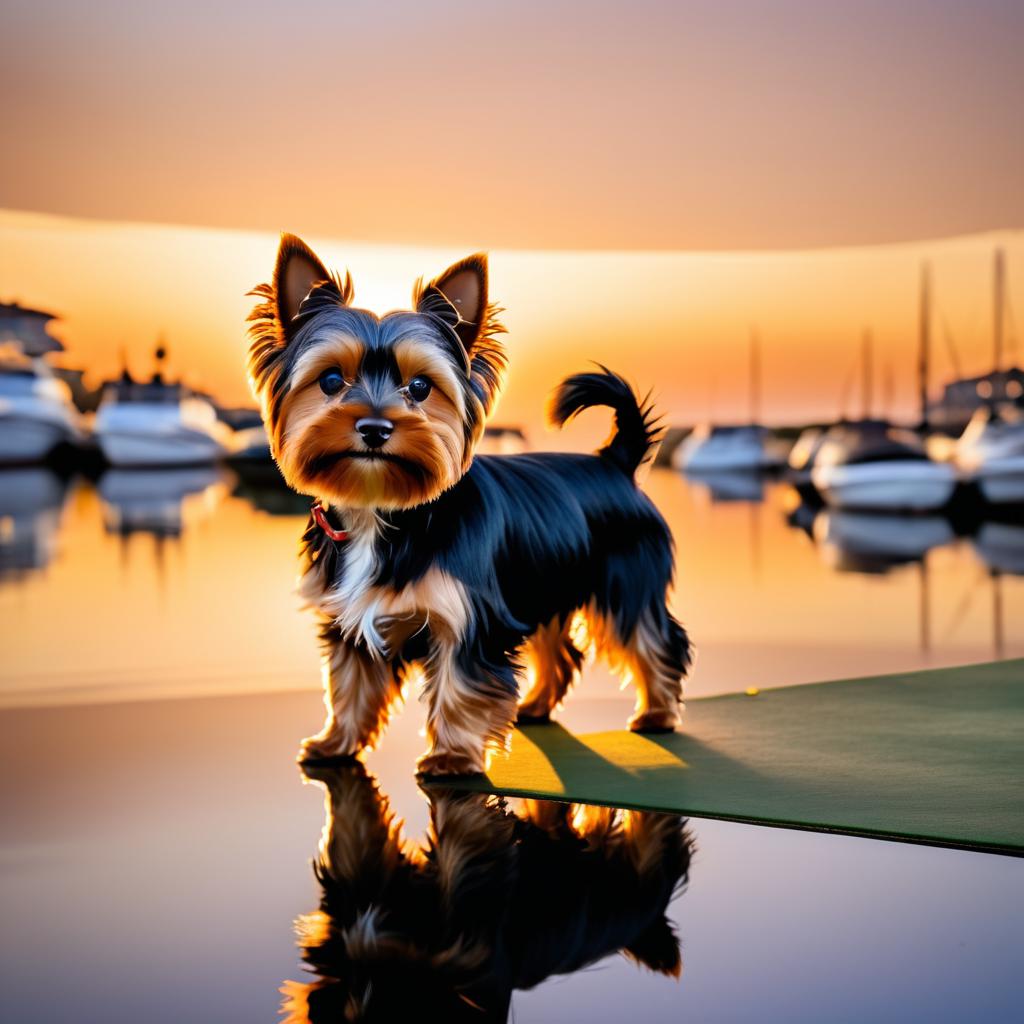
(359, 693)
(369, 833)
(332, 348)
(418, 360)
(659, 689)
(429, 434)
(464, 726)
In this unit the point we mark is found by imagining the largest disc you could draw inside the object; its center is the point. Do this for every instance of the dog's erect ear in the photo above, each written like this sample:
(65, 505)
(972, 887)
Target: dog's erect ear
(464, 285)
(296, 271)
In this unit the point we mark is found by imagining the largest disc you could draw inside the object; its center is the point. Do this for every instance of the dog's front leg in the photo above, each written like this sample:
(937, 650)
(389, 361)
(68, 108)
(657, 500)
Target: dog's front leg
(360, 689)
(470, 710)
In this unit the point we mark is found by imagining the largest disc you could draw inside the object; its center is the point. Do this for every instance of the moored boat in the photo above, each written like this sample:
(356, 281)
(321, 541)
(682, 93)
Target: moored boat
(991, 453)
(36, 413)
(875, 466)
(714, 448)
(158, 424)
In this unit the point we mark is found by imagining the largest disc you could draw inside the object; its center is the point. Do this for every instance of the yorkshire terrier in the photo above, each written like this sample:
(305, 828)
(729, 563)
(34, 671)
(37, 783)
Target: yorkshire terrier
(496, 900)
(477, 570)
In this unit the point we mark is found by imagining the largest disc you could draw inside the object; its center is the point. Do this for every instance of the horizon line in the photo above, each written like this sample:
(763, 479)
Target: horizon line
(980, 234)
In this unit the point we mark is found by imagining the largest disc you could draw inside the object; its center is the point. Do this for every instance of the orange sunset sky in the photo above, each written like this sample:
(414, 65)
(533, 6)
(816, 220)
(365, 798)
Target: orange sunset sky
(653, 180)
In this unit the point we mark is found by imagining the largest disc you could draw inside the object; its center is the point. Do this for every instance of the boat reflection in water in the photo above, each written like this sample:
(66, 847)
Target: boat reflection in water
(31, 501)
(1000, 546)
(729, 484)
(871, 542)
(496, 900)
(152, 500)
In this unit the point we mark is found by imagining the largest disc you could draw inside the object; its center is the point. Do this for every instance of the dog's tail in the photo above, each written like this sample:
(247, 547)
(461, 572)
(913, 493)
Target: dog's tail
(637, 431)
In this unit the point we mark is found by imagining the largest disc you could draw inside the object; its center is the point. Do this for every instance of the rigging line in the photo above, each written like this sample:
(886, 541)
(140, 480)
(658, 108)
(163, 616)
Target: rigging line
(954, 358)
(844, 394)
(947, 336)
(956, 619)
(1011, 323)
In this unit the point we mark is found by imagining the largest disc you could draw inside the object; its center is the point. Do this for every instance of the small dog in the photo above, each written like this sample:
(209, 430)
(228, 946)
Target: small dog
(495, 901)
(418, 555)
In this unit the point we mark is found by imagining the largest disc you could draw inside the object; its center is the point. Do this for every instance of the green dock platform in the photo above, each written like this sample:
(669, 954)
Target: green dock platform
(932, 757)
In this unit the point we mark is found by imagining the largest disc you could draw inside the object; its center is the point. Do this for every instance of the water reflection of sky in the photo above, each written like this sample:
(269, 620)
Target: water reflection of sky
(157, 852)
(179, 582)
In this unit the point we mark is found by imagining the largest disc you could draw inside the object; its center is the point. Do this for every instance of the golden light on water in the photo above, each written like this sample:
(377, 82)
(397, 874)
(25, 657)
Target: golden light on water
(209, 607)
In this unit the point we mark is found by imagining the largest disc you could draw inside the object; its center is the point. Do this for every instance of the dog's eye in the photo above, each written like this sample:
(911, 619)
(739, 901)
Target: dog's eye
(331, 381)
(419, 388)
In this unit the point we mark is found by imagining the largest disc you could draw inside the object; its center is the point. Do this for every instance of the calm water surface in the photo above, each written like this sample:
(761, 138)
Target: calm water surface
(180, 582)
(157, 676)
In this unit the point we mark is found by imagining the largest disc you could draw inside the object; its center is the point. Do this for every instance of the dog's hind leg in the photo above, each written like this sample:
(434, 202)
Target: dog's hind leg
(360, 689)
(657, 656)
(552, 666)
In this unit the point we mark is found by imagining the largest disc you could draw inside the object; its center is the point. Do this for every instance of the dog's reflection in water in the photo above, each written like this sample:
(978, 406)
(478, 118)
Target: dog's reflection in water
(495, 900)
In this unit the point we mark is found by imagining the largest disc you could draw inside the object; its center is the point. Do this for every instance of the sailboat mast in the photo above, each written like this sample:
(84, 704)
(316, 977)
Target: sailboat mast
(755, 378)
(998, 304)
(924, 340)
(867, 375)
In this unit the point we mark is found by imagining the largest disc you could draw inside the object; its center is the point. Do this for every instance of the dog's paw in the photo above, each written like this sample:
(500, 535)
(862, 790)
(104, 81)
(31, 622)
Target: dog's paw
(655, 722)
(445, 763)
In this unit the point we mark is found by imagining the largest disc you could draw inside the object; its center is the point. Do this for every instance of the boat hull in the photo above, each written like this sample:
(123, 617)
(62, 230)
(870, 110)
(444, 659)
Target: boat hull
(1001, 481)
(184, 448)
(24, 439)
(708, 456)
(898, 485)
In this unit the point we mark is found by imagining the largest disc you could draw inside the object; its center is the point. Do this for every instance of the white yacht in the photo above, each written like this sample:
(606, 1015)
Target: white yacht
(991, 452)
(158, 424)
(871, 465)
(36, 412)
(709, 448)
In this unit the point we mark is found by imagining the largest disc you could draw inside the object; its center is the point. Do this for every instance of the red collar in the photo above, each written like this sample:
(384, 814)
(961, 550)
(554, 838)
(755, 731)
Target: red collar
(320, 516)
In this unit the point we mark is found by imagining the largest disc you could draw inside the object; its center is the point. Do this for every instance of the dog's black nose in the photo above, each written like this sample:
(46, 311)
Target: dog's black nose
(374, 432)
